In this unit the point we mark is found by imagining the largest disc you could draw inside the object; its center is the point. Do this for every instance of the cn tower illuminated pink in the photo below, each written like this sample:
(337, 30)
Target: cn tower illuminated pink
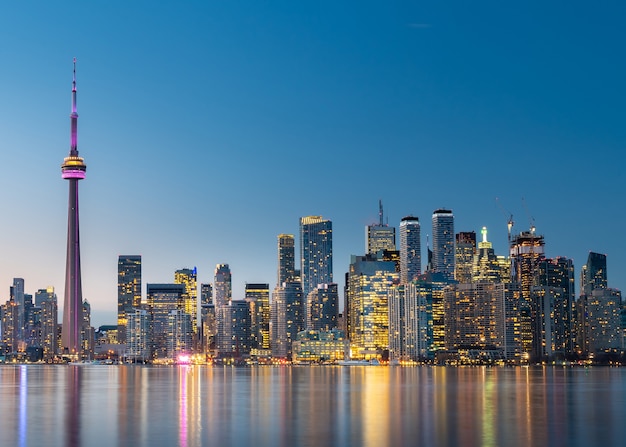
(73, 169)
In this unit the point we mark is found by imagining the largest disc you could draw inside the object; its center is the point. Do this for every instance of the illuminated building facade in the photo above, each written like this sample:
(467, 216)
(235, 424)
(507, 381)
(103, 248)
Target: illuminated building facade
(128, 290)
(465, 249)
(369, 283)
(316, 252)
(322, 308)
(381, 236)
(179, 333)
(222, 285)
(475, 316)
(443, 243)
(137, 336)
(286, 258)
(206, 294)
(486, 265)
(410, 321)
(287, 318)
(233, 329)
(313, 346)
(410, 249)
(603, 320)
(73, 170)
(189, 278)
(258, 298)
(46, 299)
(161, 299)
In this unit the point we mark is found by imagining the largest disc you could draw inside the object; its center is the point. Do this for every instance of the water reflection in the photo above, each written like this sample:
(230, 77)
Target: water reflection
(371, 406)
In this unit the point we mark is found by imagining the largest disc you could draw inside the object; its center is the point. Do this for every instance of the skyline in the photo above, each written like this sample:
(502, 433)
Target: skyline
(201, 139)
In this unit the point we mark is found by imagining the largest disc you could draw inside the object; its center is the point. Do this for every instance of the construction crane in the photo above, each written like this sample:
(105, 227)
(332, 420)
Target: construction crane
(509, 223)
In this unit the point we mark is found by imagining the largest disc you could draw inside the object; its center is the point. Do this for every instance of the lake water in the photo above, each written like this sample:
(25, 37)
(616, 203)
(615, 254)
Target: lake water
(58, 405)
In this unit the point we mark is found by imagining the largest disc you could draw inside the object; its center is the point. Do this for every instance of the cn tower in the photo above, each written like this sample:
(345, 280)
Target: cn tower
(73, 170)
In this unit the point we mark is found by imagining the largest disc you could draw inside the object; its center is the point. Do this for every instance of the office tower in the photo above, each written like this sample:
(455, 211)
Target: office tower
(603, 320)
(258, 298)
(443, 243)
(179, 332)
(486, 265)
(381, 236)
(161, 299)
(206, 294)
(322, 308)
(233, 329)
(465, 250)
(73, 170)
(209, 327)
(287, 318)
(128, 290)
(137, 336)
(410, 321)
(9, 326)
(554, 299)
(527, 249)
(222, 285)
(593, 274)
(286, 258)
(316, 252)
(189, 278)
(369, 282)
(17, 292)
(410, 249)
(87, 332)
(46, 300)
(475, 316)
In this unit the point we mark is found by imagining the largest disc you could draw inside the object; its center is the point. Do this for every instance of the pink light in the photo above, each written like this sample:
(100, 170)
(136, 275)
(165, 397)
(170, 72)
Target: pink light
(184, 359)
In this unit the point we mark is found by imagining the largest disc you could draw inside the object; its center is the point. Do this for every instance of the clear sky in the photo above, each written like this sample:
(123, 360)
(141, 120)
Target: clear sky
(208, 128)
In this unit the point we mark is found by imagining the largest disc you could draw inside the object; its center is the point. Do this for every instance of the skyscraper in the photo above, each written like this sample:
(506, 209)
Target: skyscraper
(73, 170)
(443, 243)
(316, 252)
(222, 285)
(258, 298)
(128, 291)
(286, 258)
(161, 299)
(465, 250)
(410, 249)
(189, 278)
(381, 236)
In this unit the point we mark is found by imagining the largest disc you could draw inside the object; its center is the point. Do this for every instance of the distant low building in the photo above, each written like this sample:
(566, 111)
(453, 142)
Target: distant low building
(318, 346)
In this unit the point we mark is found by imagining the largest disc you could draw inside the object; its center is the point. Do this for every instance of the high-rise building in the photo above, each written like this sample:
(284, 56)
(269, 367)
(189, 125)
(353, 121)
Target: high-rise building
(465, 250)
(179, 333)
(286, 258)
(475, 316)
(161, 299)
(17, 292)
(233, 329)
(443, 243)
(316, 252)
(486, 265)
(603, 320)
(189, 278)
(369, 282)
(322, 308)
(258, 298)
(410, 249)
(46, 299)
(410, 321)
(137, 336)
(593, 275)
(381, 236)
(128, 291)
(206, 294)
(73, 170)
(287, 318)
(222, 285)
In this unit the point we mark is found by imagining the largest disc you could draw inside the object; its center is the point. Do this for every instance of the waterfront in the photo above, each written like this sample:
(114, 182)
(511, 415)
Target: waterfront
(87, 405)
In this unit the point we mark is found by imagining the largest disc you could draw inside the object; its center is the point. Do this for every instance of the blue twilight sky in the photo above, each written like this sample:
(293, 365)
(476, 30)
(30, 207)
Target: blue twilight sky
(208, 128)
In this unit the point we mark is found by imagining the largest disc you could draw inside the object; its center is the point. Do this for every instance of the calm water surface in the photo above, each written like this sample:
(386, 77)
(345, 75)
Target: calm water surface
(311, 406)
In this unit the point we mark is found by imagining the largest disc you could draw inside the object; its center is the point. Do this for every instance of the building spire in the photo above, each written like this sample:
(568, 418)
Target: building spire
(380, 213)
(74, 118)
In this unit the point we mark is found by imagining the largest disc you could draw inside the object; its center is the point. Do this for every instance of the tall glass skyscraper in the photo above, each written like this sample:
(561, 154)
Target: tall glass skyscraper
(443, 243)
(465, 250)
(128, 291)
(286, 258)
(189, 278)
(222, 285)
(410, 249)
(316, 252)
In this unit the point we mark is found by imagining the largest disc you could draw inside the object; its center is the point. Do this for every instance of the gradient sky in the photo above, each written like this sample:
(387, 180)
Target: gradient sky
(208, 129)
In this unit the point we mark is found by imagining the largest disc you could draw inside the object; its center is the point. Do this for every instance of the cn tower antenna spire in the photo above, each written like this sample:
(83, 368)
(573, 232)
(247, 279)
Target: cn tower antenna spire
(74, 118)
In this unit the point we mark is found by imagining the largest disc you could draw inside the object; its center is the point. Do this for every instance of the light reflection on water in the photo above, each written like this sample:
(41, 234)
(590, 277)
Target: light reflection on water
(369, 406)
